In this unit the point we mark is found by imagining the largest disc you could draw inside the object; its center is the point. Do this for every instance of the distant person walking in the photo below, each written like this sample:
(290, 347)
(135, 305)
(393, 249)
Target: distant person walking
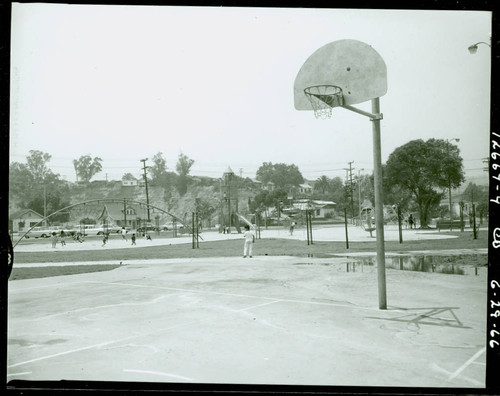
(292, 227)
(105, 239)
(133, 239)
(124, 233)
(249, 238)
(411, 221)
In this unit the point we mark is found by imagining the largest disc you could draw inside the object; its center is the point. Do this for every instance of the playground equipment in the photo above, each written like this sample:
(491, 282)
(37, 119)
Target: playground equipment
(340, 74)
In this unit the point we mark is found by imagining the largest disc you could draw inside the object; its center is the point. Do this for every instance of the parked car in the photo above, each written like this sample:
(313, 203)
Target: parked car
(170, 226)
(40, 232)
(147, 228)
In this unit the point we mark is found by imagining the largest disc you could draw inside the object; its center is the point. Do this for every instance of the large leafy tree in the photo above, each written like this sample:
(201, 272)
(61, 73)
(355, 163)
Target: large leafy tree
(33, 185)
(52, 202)
(86, 167)
(37, 164)
(267, 199)
(423, 167)
(183, 167)
(282, 175)
(158, 170)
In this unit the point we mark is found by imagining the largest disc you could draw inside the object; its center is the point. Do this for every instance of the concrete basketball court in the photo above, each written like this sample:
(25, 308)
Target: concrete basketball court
(265, 320)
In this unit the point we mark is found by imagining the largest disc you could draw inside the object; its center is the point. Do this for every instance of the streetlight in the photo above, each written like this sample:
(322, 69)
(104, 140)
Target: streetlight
(449, 178)
(473, 48)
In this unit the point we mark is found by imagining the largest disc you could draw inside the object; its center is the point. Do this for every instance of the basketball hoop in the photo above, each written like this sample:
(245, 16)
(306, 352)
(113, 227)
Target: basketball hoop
(323, 98)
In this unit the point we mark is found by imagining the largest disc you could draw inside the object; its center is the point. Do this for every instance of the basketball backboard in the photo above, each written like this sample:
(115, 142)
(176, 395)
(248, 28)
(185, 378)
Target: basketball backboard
(352, 65)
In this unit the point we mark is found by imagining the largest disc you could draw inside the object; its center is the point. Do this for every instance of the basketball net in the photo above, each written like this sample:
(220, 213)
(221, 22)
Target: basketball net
(323, 98)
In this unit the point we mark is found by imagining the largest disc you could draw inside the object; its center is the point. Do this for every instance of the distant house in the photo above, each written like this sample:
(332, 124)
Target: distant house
(324, 208)
(114, 213)
(130, 183)
(129, 180)
(320, 209)
(23, 220)
(305, 188)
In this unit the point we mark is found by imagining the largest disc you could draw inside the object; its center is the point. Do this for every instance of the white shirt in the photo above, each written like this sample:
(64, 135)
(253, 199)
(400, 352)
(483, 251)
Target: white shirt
(248, 235)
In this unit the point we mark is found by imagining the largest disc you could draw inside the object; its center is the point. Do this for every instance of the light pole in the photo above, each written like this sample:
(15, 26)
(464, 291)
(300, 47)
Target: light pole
(473, 48)
(449, 178)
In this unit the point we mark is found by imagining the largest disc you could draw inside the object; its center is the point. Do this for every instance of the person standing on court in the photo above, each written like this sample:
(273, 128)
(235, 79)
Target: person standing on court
(249, 238)
(292, 227)
(54, 239)
(124, 232)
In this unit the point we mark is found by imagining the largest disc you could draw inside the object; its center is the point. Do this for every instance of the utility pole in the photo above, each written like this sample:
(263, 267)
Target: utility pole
(146, 182)
(359, 192)
(351, 189)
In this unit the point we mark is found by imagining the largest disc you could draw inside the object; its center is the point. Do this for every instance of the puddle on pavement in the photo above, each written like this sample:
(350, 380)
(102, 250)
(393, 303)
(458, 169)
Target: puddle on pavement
(419, 263)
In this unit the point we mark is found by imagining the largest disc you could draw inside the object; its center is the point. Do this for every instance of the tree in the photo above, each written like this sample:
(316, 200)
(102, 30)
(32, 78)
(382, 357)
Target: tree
(86, 167)
(158, 170)
(322, 184)
(33, 180)
(205, 209)
(479, 196)
(282, 175)
(183, 168)
(21, 182)
(128, 177)
(53, 202)
(36, 163)
(422, 167)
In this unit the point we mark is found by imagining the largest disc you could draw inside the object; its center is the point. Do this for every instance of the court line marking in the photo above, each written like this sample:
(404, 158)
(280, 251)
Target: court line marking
(274, 299)
(467, 363)
(158, 373)
(471, 380)
(108, 343)
(16, 374)
(153, 301)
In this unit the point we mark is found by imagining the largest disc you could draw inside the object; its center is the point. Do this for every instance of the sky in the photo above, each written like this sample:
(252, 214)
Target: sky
(125, 82)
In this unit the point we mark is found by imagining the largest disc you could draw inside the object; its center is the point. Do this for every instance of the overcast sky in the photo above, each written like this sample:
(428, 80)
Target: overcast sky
(126, 82)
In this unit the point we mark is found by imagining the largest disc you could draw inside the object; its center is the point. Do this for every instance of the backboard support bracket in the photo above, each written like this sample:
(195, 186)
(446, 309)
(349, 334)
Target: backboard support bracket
(371, 116)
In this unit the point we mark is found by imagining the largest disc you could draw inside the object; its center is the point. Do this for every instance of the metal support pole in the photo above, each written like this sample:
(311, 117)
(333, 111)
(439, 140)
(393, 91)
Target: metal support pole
(474, 220)
(307, 226)
(461, 217)
(44, 205)
(124, 212)
(197, 231)
(311, 226)
(379, 205)
(192, 230)
(346, 234)
(449, 197)
(399, 226)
